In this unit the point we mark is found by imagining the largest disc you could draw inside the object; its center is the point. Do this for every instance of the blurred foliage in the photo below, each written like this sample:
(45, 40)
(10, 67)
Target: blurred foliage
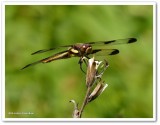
(45, 89)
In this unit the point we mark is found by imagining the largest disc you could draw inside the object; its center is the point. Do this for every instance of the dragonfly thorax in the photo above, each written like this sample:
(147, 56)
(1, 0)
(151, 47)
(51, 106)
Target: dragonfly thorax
(81, 49)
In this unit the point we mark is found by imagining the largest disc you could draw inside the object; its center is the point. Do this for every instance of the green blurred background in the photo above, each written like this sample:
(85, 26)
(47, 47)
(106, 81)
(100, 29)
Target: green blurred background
(45, 89)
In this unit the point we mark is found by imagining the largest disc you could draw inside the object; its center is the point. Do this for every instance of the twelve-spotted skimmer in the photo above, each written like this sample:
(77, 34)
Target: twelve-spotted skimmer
(82, 50)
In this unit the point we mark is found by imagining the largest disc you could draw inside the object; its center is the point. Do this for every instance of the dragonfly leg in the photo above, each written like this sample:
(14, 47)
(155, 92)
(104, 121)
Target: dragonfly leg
(84, 60)
(80, 63)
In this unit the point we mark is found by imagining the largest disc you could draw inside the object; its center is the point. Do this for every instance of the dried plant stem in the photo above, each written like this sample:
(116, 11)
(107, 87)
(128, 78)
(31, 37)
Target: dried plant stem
(92, 76)
(85, 101)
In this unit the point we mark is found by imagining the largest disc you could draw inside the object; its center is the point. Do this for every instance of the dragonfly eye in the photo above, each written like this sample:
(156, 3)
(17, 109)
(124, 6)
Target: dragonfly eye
(88, 50)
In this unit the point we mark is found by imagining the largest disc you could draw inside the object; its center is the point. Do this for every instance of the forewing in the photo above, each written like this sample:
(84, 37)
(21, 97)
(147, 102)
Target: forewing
(114, 42)
(46, 50)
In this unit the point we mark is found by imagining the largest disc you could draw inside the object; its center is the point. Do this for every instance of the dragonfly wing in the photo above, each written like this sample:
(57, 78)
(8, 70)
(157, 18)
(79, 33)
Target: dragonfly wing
(46, 50)
(111, 42)
(114, 42)
(61, 55)
(104, 52)
(31, 64)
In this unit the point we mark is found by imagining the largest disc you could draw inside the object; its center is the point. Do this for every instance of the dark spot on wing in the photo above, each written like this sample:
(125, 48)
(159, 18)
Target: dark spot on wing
(132, 40)
(116, 51)
(96, 50)
(107, 42)
(91, 42)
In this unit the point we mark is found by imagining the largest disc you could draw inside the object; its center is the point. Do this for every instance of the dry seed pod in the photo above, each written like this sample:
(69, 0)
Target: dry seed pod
(97, 91)
(91, 72)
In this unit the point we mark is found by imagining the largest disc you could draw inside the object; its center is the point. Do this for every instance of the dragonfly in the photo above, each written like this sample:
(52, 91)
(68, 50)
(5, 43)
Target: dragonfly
(82, 50)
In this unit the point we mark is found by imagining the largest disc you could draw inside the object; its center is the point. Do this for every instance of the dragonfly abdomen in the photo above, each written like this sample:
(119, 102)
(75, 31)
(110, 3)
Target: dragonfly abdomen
(61, 55)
